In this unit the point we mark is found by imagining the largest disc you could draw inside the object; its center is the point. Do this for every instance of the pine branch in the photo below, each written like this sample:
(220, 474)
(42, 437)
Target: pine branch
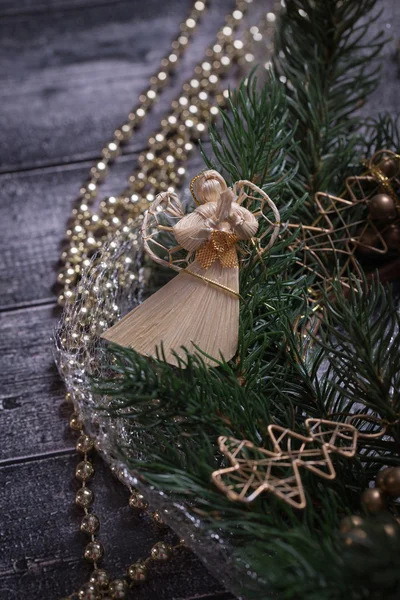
(325, 53)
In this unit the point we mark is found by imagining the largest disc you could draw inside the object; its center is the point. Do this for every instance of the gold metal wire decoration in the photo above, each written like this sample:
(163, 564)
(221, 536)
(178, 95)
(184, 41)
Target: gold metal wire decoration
(327, 248)
(255, 470)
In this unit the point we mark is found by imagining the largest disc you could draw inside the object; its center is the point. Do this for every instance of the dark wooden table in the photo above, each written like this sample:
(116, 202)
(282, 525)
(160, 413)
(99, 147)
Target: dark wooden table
(70, 70)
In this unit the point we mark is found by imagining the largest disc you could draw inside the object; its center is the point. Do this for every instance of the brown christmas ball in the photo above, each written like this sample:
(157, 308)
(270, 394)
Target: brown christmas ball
(380, 478)
(389, 167)
(391, 235)
(382, 207)
(391, 482)
(348, 523)
(373, 500)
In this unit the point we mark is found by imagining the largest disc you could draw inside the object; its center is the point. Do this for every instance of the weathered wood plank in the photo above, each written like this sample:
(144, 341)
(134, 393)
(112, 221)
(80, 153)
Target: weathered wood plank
(33, 417)
(41, 547)
(34, 209)
(67, 80)
(9, 7)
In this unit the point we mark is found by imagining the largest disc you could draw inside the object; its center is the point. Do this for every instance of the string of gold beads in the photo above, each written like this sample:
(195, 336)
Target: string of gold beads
(100, 585)
(161, 166)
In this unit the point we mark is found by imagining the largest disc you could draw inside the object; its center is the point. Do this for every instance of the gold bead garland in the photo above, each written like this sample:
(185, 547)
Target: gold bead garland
(160, 166)
(100, 585)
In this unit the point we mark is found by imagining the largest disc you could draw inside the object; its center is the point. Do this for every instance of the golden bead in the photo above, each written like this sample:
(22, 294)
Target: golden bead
(84, 497)
(75, 423)
(84, 444)
(99, 171)
(355, 536)
(88, 591)
(94, 551)
(90, 524)
(157, 518)
(391, 529)
(118, 589)
(373, 500)
(111, 151)
(161, 552)
(137, 572)
(84, 470)
(137, 501)
(126, 132)
(100, 578)
(349, 523)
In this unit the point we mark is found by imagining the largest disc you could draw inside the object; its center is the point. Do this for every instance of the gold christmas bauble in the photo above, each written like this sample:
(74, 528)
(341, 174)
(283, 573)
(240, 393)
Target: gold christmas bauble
(391, 235)
(391, 482)
(382, 207)
(373, 500)
(348, 523)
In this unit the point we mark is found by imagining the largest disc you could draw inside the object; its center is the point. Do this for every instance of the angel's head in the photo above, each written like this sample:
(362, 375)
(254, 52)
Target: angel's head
(207, 186)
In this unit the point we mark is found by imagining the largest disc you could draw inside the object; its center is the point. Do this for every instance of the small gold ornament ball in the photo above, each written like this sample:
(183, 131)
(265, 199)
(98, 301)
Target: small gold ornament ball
(391, 235)
(84, 444)
(88, 592)
(90, 524)
(101, 578)
(391, 482)
(94, 551)
(118, 589)
(84, 470)
(373, 500)
(157, 518)
(75, 423)
(382, 208)
(84, 497)
(137, 572)
(349, 523)
(137, 501)
(355, 536)
(161, 551)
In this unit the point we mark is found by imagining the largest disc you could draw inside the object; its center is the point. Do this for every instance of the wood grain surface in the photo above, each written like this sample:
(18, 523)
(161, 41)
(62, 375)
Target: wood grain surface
(69, 73)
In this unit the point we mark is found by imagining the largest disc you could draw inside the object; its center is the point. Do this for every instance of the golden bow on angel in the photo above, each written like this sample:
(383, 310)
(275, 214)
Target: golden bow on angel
(200, 307)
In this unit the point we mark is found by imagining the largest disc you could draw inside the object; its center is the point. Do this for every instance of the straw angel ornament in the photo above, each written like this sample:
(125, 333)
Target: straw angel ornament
(199, 308)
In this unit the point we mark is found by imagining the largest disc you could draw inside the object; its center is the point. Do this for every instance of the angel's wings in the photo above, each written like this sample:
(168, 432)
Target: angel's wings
(167, 210)
(260, 204)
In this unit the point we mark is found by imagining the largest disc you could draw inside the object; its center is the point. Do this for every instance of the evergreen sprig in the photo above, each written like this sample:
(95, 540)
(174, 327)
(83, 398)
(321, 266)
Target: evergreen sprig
(326, 54)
